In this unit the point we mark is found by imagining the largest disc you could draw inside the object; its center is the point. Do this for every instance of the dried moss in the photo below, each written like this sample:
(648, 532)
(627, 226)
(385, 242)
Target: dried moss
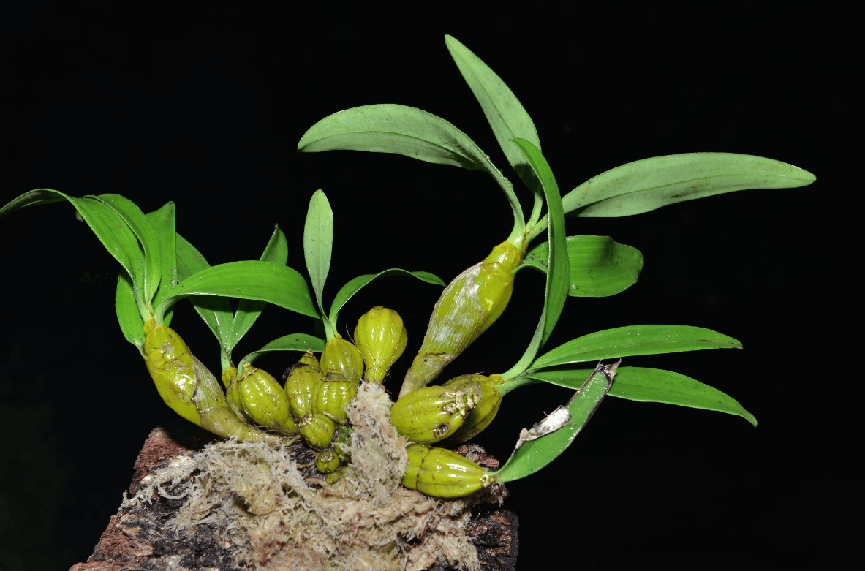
(259, 497)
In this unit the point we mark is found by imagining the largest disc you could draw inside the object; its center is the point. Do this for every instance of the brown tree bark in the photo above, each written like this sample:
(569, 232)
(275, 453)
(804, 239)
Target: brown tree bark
(137, 538)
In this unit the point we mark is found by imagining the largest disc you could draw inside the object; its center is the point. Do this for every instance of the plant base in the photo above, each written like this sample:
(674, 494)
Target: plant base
(146, 535)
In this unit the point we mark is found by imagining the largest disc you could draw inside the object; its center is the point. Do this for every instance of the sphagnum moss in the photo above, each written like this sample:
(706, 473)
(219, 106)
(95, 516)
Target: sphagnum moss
(258, 497)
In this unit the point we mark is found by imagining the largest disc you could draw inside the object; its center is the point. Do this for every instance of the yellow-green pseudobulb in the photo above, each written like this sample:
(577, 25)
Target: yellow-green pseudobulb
(188, 387)
(466, 308)
(443, 473)
(264, 401)
(430, 414)
(381, 338)
(327, 462)
(485, 391)
(301, 384)
(332, 395)
(342, 357)
(317, 429)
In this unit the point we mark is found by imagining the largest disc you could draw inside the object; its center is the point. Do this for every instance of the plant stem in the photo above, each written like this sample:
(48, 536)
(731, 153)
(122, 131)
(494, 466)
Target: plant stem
(536, 229)
(514, 383)
(329, 328)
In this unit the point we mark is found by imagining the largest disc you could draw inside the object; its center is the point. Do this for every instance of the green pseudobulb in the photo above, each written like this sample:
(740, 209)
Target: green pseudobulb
(443, 473)
(381, 338)
(431, 414)
(188, 387)
(472, 302)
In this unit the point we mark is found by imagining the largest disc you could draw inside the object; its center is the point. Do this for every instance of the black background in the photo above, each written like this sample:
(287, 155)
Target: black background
(204, 105)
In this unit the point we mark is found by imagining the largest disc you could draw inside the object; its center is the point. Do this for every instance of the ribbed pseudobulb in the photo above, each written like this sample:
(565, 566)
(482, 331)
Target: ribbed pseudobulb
(467, 307)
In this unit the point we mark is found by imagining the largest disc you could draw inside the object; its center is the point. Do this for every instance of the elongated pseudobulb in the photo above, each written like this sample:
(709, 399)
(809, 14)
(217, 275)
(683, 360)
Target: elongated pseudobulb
(466, 308)
(188, 387)
(443, 473)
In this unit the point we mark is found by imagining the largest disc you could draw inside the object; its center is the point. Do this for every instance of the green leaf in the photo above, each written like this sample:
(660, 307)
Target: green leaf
(654, 385)
(248, 310)
(215, 311)
(634, 340)
(249, 279)
(163, 223)
(131, 322)
(405, 131)
(599, 266)
(128, 316)
(139, 224)
(558, 276)
(506, 115)
(32, 198)
(352, 287)
(110, 228)
(533, 455)
(318, 242)
(276, 250)
(648, 184)
(189, 260)
(293, 342)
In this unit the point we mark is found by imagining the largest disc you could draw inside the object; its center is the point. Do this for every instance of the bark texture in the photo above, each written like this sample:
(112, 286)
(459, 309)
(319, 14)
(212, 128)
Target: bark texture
(138, 537)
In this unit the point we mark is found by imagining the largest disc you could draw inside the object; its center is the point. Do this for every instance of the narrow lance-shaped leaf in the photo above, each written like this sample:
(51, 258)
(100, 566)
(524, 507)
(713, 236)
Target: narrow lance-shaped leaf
(163, 223)
(292, 342)
(405, 131)
(648, 184)
(599, 266)
(110, 228)
(131, 321)
(33, 198)
(352, 287)
(634, 340)
(318, 246)
(654, 385)
(265, 281)
(248, 310)
(140, 225)
(128, 316)
(506, 115)
(545, 441)
(558, 276)
(214, 310)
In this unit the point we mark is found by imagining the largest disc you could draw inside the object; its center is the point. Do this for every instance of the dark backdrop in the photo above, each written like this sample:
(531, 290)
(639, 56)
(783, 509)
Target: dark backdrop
(204, 106)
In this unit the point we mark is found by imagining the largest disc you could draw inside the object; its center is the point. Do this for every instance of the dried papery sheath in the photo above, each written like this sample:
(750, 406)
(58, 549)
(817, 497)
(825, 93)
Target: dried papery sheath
(561, 416)
(466, 308)
(551, 423)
